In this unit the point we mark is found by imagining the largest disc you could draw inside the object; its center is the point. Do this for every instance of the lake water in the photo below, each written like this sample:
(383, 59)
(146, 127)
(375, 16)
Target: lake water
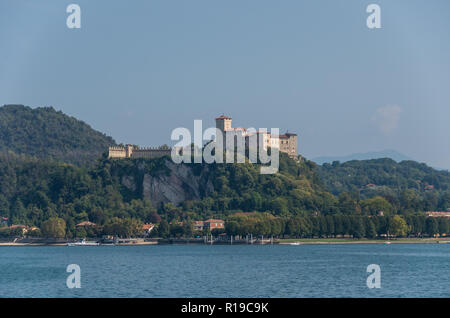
(407, 270)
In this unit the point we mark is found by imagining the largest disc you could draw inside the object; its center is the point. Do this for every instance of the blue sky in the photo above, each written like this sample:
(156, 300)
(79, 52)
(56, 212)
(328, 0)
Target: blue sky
(138, 69)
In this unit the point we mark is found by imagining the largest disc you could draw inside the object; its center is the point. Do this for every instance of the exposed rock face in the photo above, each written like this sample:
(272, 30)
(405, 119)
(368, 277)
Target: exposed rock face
(180, 184)
(129, 182)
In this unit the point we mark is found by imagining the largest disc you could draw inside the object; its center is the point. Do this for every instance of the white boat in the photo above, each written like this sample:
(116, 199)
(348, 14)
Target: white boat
(83, 243)
(295, 243)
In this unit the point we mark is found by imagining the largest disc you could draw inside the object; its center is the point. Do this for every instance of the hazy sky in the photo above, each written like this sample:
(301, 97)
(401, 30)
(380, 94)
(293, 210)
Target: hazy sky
(138, 69)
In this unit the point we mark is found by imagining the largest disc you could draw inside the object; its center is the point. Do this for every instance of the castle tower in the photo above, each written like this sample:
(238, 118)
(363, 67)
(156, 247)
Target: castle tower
(288, 144)
(128, 151)
(223, 123)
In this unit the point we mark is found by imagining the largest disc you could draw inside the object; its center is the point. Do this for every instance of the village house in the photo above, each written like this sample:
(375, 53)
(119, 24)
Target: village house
(438, 214)
(198, 225)
(24, 228)
(148, 228)
(86, 224)
(212, 224)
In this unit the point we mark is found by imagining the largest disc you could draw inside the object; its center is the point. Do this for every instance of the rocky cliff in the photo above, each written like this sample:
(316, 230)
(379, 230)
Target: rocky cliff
(170, 182)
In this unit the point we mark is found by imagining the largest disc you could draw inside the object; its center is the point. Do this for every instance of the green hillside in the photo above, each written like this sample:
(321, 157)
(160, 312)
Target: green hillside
(46, 133)
(409, 184)
(32, 190)
(114, 194)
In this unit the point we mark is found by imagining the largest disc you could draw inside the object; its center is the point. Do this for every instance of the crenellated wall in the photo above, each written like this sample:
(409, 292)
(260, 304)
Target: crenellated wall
(130, 151)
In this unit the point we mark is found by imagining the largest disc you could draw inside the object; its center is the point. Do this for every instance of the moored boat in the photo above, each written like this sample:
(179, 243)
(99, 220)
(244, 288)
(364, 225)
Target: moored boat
(83, 243)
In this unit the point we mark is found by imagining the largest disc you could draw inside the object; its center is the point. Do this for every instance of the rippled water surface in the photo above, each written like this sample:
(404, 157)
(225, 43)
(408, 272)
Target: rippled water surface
(407, 270)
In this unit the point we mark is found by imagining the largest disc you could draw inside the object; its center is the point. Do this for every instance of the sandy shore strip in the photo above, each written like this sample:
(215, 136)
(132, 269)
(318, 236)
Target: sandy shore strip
(276, 242)
(337, 242)
(5, 244)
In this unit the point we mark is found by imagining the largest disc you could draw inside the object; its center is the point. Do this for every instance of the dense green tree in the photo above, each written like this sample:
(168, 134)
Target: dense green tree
(398, 226)
(357, 227)
(54, 227)
(163, 229)
(338, 224)
(431, 226)
(280, 206)
(369, 228)
(123, 227)
(377, 204)
(188, 228)
(348, 203)
(232, 228)
(443, 226)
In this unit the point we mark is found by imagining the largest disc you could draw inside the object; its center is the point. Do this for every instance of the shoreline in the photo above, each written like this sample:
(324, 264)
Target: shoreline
(367, 242)
(277, 242)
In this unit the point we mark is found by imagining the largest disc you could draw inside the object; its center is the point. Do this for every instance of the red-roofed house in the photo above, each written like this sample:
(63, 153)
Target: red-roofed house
(148, 227)
(19, 226)
(212, 224)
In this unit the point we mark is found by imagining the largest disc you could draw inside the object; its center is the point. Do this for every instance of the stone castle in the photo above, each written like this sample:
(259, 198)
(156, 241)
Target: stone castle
(286, 143)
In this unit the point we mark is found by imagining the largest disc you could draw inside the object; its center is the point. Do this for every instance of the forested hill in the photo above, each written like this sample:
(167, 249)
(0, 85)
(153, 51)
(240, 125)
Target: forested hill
(44, 132)
(33, 190)
(408, 180)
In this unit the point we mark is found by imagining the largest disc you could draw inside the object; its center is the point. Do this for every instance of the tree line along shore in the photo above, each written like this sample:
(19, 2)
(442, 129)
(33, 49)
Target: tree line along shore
(240, 226)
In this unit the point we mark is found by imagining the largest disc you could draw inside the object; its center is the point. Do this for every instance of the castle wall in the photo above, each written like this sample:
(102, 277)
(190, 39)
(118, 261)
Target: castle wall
(150, 153)
(131, 152)
(117, 152)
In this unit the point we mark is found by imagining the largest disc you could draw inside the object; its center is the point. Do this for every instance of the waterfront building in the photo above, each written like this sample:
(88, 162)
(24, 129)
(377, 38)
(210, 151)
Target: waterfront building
(198, 225)
(212, 224)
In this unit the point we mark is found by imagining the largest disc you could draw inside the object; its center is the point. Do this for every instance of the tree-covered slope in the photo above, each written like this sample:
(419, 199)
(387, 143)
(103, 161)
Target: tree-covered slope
(32, 190)
(46, 133)
(219, 189)
(408, 181)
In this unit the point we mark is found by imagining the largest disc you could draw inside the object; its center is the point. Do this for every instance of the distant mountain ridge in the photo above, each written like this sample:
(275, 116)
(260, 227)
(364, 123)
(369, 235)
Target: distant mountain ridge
(389, 153)
(44, 132)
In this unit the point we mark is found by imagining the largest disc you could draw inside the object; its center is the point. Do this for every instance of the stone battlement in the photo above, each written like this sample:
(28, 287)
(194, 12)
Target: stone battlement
(130, 151)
